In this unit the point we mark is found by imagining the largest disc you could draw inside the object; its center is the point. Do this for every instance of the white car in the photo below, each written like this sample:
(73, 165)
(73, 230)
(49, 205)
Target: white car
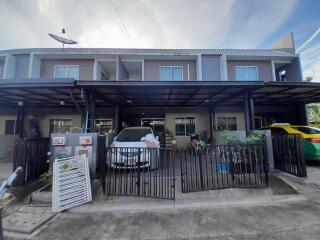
(133, 147)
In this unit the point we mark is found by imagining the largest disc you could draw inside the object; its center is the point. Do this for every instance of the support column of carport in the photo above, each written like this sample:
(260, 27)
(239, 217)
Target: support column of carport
(249, 113)
(211, 111)
(20, 119)
(88, 116)
(117, 119)
(302, 111)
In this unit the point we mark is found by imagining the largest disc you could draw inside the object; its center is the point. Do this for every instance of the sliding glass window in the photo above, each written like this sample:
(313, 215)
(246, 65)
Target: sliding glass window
(171, 73)
(246, 73)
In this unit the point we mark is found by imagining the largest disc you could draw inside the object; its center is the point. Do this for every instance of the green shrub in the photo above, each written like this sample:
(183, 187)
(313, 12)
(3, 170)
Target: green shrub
(230, 138)
(253, 138)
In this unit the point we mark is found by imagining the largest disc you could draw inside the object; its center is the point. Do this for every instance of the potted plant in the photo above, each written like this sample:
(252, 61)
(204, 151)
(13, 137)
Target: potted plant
(231, 142)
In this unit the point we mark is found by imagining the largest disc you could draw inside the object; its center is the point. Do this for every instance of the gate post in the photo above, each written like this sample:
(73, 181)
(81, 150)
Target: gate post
(139, 172)
(301, 162)
(199, 153)
(1, 230)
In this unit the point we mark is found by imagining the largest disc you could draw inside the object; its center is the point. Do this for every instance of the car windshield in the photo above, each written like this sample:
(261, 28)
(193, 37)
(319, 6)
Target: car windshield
(307, 130)
(133, 135)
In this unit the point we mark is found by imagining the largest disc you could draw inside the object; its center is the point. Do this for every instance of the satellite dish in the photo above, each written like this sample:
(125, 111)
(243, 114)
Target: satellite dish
(64, 39)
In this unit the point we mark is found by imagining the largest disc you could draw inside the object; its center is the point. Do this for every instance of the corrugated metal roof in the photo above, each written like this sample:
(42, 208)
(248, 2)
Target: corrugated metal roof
(230, 52)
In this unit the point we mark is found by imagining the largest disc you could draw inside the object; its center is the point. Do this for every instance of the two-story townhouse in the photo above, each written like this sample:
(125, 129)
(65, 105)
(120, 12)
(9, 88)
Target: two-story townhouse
(184, 91)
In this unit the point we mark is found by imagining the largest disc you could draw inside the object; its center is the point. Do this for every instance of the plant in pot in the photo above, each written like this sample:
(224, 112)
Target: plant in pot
(227, 151)
(251, 152)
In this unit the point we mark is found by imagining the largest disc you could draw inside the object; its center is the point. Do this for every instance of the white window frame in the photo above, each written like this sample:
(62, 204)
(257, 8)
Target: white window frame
(185, 126)
(106, 119)
(172, 67)
(65, 65)
(60, 119)
(164, 120)
(216, 125)
(246, 72)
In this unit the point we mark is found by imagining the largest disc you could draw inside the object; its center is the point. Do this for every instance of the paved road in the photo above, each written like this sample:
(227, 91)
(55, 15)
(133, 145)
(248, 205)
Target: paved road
(291, 216)
(298, 218)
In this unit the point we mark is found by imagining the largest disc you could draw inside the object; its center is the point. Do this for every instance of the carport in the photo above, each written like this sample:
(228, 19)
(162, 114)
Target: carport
(33, 96)
(28, 96)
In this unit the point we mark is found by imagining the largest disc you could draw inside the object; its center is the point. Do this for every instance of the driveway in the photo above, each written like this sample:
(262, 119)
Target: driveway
(289, 216)
(313, 172)
(5, 169)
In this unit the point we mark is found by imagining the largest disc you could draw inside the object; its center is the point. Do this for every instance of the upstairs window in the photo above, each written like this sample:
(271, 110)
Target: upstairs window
(66, 71)
(171, 73)
(246, 73)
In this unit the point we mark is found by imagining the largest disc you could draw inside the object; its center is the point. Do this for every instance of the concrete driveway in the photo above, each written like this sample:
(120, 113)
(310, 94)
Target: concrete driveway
(288, 216)
(291, 218)
(313, 172)
(255, 214)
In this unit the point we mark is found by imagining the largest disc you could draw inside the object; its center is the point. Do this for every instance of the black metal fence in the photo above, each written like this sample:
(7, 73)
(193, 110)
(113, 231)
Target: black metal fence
(147, 172)
(1, 231)
(224, 166)
(288, 154)
(101, 170)
(31, 155)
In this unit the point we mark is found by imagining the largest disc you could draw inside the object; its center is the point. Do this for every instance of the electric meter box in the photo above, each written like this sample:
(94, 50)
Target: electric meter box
(72, 144)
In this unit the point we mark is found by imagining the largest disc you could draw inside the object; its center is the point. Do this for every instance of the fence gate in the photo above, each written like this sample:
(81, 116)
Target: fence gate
(31, 155)
(147, 172)
(224, 166)
(288, 154)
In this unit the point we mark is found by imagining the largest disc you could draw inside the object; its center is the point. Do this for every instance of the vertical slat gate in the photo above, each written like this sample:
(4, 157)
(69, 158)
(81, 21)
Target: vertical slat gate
(224, 166)
(146, 172)
(288, 153)
(31, 155)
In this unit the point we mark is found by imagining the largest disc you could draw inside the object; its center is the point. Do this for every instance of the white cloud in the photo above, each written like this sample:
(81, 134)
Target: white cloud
(150, 23)
(313, 71)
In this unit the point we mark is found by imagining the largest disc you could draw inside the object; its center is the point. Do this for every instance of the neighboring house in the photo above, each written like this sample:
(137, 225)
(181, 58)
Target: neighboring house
(184, 91)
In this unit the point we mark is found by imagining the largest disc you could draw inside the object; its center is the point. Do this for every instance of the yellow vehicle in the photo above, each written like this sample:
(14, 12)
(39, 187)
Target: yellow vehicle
(311, 136)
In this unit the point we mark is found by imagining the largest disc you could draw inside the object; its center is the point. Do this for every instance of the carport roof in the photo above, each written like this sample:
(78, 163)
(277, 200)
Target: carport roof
(50, 93)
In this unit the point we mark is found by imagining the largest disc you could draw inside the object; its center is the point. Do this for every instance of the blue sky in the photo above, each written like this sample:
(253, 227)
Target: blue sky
(164, 24)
